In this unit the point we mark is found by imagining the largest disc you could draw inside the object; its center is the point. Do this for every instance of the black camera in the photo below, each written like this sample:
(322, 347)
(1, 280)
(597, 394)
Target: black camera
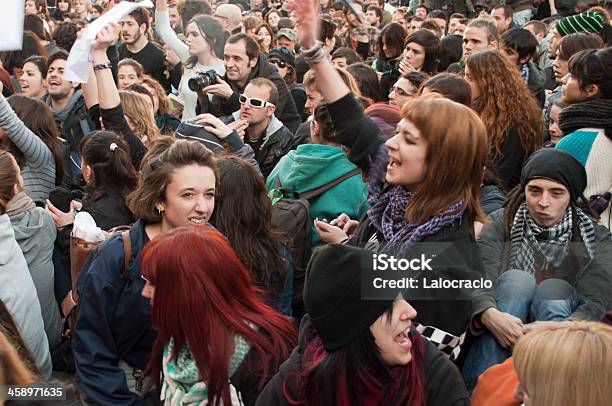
(202, 80)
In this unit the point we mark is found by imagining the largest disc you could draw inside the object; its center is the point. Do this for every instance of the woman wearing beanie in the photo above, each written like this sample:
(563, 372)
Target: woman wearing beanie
(549, 259)
(217, 342)
(433, 175)
(588, 125)
(359, 352)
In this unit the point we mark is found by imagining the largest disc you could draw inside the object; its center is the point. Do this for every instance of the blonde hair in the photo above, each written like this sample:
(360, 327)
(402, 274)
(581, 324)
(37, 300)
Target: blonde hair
(459, 151)
(140, 116)
(568, 365)
(310, 80)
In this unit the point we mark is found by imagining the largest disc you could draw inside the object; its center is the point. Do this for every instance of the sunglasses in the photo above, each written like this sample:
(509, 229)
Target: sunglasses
(279, 63)
(253, 102)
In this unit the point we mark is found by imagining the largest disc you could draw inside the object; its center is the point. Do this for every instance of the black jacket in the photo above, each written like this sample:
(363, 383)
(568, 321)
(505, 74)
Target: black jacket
(285, 110)
(537, 82)
(443, 383)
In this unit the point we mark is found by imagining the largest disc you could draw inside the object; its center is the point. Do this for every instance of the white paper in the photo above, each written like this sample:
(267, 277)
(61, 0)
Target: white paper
(11, 21)
(85, 228)
(77, 65)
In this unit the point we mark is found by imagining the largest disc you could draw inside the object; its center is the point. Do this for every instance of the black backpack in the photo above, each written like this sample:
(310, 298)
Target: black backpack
(290, 213)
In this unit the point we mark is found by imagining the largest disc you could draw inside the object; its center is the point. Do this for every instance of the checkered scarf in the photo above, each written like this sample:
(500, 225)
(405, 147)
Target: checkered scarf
(551, 244)
(387, 215)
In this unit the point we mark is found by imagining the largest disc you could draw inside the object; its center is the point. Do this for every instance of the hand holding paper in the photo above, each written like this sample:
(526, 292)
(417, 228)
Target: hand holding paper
(77, 65)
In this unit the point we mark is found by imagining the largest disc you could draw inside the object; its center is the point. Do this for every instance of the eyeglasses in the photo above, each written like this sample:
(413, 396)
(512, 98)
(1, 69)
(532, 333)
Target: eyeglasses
(253, 102)
(279, 63)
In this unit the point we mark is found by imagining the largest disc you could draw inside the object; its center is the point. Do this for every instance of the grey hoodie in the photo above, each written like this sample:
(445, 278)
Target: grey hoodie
(35, 233)
(18, 293)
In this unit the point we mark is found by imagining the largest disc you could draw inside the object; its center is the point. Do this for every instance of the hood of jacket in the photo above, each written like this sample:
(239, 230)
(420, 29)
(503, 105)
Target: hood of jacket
(7, 241)
(31, 225)
(313, 165)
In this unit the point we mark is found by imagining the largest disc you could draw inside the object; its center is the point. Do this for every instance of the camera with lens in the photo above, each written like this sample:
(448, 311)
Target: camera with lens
(202, 80)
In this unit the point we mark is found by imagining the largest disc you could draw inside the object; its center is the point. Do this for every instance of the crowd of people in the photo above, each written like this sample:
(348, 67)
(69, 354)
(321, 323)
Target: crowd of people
(192, 224)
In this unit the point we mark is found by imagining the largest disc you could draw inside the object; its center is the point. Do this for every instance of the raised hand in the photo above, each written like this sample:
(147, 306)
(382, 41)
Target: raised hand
(306, 17)
(106, 37)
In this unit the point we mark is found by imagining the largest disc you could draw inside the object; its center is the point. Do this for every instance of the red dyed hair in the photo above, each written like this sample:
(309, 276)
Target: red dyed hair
(204, 297)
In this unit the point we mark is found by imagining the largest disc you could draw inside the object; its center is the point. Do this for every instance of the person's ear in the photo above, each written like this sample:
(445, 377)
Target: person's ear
(494, 44)
(591, 91)
(142, 29)
(271, 110)
(253, 62)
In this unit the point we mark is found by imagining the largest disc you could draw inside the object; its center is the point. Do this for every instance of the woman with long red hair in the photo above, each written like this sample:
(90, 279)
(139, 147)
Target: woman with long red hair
(217, 341)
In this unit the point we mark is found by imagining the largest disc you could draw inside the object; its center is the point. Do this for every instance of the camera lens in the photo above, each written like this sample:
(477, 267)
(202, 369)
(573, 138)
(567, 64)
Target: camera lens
(202, 80)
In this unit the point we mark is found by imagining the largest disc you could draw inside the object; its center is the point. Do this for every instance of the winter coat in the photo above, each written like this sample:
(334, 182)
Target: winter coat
(312, 166)
(537, 83)
(590, 277)
(113, 321)
(18, 293)
(443, 385)
(35, 233)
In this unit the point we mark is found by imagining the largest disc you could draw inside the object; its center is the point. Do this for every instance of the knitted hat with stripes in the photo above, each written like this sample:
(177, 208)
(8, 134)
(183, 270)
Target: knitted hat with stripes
(583, 22)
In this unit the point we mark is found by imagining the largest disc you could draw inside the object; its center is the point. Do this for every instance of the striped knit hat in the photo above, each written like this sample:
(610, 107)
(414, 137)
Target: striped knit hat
(583, 22)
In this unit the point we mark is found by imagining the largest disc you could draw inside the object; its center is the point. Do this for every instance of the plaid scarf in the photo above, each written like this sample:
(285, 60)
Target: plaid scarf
(387, 215)
(550, 244)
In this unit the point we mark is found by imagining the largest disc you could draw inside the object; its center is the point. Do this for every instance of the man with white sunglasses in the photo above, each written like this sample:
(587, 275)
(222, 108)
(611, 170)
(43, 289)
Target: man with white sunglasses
(265, 133)
(255, 123)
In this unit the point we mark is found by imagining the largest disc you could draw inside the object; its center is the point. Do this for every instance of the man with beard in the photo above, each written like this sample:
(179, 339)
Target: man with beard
(135, 45)
(68, 107)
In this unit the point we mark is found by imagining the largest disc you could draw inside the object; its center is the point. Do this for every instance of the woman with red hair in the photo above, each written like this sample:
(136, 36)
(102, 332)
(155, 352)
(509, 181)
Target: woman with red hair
(217, 341)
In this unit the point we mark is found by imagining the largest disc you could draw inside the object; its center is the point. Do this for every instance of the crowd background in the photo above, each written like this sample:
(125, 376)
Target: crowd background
(242, 159)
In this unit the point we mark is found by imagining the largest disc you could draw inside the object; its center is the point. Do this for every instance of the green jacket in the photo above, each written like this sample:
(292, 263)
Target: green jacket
(313, 165)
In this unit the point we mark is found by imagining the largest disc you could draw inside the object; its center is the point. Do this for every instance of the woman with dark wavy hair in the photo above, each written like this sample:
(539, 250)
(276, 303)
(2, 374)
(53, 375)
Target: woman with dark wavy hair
(243, 213)
(509, 111)
(421, 49)
(217, 342)
(390, 45)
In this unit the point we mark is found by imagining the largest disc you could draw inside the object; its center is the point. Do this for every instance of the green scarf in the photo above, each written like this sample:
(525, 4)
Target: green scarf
(182, 382)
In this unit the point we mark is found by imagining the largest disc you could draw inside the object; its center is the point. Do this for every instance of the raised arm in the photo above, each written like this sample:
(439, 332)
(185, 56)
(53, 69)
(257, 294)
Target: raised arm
(110, 102)
(307, 24)
(165, 31)
(35, 151)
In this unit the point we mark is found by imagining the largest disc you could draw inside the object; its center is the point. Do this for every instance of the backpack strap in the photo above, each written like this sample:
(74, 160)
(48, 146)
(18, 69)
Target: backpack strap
(322, 189)
(127, 253)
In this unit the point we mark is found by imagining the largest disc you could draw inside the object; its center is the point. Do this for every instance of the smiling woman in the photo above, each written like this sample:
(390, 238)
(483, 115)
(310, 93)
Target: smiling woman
(176, 188)
(33, 80)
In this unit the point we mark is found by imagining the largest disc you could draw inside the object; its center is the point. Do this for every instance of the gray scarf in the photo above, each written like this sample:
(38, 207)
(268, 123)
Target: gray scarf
(62, 114)
(19, 203)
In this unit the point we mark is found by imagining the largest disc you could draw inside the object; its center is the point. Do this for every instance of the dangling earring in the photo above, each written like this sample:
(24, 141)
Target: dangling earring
(160, 211)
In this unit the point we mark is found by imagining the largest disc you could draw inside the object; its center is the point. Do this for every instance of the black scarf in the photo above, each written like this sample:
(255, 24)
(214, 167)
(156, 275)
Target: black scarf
(589, 114)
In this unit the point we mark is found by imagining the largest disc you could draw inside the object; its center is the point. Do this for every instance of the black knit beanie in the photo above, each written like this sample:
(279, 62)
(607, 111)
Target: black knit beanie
(332, 295)
(557, 165)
